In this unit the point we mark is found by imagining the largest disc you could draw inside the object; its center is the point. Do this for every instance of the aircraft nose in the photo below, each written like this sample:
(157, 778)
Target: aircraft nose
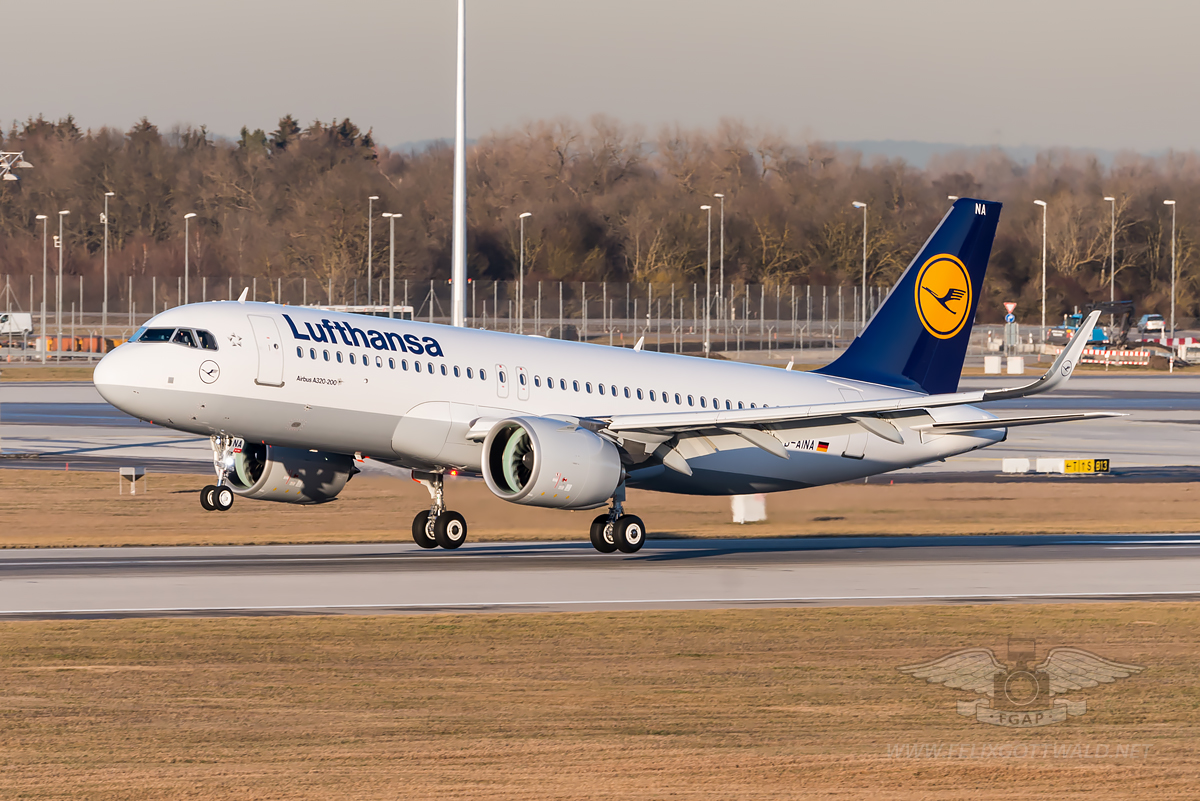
(113, 378)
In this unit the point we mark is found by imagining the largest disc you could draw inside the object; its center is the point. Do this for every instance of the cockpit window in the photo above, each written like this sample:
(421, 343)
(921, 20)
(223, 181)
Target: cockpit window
(156, 335)
(180, 336)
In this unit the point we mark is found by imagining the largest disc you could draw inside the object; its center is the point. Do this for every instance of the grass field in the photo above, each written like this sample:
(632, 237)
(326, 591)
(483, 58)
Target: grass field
(47, 508)
(800, 703)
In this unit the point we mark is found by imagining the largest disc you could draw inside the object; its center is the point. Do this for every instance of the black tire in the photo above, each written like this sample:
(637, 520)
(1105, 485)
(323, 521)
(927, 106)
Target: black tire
(222, 499)
(206, 498)
(602, 541)
(630, 533)
(450, 530)
(420, 530)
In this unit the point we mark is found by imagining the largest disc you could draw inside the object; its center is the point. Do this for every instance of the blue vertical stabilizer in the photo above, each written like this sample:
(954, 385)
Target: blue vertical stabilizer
(918, 338)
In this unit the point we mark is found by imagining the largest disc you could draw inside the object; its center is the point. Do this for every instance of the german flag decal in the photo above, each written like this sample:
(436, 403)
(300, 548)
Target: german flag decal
(822, 447)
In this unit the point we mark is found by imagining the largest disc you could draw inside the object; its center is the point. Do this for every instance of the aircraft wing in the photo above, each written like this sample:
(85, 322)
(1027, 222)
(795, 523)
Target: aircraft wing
(749, 420)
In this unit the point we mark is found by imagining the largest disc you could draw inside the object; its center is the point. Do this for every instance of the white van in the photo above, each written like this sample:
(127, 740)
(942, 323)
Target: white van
(15, 324)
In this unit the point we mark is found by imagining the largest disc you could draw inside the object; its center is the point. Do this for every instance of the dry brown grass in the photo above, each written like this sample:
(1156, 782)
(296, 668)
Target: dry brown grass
(44, 508)
(799, 703)
(48, 373)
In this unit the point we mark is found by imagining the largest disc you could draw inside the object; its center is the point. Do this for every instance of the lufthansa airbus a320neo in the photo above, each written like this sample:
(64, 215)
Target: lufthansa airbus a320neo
(291, 395)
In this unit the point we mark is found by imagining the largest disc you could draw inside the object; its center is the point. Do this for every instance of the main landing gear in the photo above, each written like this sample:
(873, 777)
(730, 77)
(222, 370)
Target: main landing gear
(437, 526)
(617, 531)
(219, 497)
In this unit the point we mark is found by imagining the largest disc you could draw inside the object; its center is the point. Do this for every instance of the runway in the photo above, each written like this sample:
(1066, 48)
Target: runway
(544, 577)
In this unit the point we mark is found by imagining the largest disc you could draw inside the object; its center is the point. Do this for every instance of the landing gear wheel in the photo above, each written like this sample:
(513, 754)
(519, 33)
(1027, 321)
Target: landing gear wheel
(450, 530)
(222, 499)
(206, 495)
(629, 533)
(421, 530)
(602, 535)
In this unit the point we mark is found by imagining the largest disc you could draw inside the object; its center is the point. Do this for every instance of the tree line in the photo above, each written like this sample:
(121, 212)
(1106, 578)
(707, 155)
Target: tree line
(608, 203)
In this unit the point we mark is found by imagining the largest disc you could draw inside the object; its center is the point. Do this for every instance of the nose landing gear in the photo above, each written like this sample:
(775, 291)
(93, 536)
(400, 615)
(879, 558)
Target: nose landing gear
(219, 497)
(437, 526)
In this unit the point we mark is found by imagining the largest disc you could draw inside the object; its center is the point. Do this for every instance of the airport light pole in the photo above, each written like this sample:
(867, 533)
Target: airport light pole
(1042, 203)
(392, 263)
(58, 289)
(1112, 251)
(370, 241)
(1171, 203)
(721, 273)
(187, 244)
(45, 258)
(863, 206)
(521, 283)
(104, 305)
(707, 281)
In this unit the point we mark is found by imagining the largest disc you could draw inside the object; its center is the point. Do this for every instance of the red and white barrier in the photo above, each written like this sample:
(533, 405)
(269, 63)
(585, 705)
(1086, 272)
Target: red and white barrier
(1135, 358)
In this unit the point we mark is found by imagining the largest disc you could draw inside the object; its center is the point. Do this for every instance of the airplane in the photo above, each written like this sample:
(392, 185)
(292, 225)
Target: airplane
(291, 397)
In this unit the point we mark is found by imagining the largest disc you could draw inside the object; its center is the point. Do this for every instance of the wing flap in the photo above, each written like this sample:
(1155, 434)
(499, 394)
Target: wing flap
(1012, 422)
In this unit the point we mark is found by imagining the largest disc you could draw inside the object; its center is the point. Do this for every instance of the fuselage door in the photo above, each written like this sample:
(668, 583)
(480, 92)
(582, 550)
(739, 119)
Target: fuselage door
(501, 381)
(270, 350)
(522, 384)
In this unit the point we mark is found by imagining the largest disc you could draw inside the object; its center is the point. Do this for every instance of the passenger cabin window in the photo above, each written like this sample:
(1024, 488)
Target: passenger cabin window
(639, 394)
(576, 384)
(339, 357)
(326, 355)
(601, 389)
(651, 394)
(417, 366)
(522, 378)
(482, 374)
(537, 380)
(678, 400)
(312, 353)
(457, 372)
(443, 369)
(300, 351)
(352, 358)
(470, 373)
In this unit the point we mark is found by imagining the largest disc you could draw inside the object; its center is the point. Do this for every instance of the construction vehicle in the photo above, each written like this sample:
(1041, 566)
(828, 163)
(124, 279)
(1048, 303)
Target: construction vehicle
(1116, 335)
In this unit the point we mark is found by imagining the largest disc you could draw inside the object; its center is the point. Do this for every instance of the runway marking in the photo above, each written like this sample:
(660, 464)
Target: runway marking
(605, 602)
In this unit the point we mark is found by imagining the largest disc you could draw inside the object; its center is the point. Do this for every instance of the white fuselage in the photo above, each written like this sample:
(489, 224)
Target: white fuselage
(306, 378)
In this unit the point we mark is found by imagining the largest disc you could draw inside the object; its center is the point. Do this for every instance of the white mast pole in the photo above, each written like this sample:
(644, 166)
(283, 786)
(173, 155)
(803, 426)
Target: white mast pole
(458, 271)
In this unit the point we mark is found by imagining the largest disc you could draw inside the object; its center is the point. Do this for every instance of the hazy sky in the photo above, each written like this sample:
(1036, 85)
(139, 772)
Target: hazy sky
(1100, 73)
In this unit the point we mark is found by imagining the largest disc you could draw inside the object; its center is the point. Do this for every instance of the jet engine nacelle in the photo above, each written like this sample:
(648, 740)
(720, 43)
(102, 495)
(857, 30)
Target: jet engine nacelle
(287, 475)
(537, 461)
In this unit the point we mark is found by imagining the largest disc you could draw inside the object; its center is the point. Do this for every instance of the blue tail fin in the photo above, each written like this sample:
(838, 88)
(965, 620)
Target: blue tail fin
(918, 338)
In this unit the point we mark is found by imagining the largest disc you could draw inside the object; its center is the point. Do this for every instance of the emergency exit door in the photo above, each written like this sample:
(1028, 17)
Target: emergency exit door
(270, 350)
